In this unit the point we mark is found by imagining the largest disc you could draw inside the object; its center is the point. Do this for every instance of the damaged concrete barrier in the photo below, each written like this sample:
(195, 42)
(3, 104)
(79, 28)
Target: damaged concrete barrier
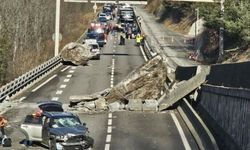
(101, 104)
(135, 105)
(114, 106)
(150, 105)
(146, 82)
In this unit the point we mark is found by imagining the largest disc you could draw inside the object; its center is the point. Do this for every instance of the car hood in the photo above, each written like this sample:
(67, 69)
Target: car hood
(78, 130)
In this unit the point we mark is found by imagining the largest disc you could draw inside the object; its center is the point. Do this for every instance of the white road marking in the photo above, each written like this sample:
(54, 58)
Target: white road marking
(110, 122)
(110, 115)
(112, 73)
(73, 67)
(65, 69)
(109, 129)
(143, 54)
(107, 147)
(66, 80)
(182, 134)
(55, 98)
(22, 98)
(108, 138)
(71, 71)
(69, 76)
(63, 86)
(44, 83)
(59, 92)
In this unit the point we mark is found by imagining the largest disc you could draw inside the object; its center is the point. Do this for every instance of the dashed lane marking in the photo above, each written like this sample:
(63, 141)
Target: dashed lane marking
(66, 80)
(112, 73)
(55, 98)
(73, 67)
(69, 76)
(109, 122)
(22, 98)
(63, 86)
(181, 132)
(44, 83)
(110, 115)
(65, 69)
(59, 92)
(107, 146)
(71, 71)
(108, 138)
(109, 129)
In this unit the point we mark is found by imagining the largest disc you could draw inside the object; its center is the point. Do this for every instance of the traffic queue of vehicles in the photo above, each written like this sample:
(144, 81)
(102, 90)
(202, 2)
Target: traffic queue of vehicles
(113, 18)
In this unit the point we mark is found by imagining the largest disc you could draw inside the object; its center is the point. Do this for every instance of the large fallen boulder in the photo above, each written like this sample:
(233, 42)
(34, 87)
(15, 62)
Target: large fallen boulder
(146, 82)
(76, 53)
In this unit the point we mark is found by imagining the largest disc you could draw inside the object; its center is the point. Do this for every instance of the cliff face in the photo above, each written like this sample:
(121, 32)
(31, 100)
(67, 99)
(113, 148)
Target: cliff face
(176, 16)
(26, 29)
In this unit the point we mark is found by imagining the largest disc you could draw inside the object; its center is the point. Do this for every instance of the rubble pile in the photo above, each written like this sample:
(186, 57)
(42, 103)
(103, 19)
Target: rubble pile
(140, 90)
(146, 82)
(76, 53)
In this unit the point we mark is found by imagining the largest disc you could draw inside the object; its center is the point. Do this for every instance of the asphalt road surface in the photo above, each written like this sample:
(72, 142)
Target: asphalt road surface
(111, 131)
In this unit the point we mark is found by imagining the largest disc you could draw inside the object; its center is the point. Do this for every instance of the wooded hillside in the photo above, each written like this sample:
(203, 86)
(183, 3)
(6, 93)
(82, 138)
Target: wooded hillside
(26, 29)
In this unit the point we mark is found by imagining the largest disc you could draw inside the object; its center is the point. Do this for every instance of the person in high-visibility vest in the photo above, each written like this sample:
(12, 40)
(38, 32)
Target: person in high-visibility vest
(138, 39)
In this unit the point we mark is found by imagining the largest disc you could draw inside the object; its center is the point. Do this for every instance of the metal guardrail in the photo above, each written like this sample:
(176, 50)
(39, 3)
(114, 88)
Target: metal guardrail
(147, 49)
(20, 82)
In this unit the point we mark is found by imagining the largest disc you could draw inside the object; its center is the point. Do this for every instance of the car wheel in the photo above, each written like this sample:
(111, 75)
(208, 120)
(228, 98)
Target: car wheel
(90, 141)
(52, 145)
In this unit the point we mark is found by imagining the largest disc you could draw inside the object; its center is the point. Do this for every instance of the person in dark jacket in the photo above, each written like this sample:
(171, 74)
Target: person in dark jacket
(122, 40)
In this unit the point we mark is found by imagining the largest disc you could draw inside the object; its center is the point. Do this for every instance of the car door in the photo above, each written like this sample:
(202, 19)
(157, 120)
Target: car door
(45, 131)
(50, 106)
(33, 127)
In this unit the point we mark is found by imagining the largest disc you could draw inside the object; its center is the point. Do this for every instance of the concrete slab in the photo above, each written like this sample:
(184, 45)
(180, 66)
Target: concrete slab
(150, 105)
(135, 105)
(114, 106)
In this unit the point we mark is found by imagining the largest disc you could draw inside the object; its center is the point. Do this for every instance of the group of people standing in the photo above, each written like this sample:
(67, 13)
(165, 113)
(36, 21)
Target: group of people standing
(139, 39)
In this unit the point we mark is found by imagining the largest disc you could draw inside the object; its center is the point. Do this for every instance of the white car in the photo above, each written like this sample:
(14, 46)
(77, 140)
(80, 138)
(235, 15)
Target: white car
(102, 15)
(94, 48)
(108, 17)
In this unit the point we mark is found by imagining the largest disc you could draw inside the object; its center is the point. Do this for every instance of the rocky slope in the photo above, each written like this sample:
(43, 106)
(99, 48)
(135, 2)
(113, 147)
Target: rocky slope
(179, 16)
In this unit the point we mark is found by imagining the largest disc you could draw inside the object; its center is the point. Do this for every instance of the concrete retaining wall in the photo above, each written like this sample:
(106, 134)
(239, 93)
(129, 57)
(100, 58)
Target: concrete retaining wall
(226, 111)
(185, 73)
(230, 75)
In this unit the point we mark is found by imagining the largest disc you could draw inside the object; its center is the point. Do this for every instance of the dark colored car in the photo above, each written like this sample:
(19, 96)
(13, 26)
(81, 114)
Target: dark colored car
(103, 20)
(64, 130)
(57, 129)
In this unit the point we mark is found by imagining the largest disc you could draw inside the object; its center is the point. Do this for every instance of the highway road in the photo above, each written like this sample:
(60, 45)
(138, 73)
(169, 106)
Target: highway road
(121, 130)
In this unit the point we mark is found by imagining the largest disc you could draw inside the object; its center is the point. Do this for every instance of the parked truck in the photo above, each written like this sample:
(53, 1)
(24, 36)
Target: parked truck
(56, 129)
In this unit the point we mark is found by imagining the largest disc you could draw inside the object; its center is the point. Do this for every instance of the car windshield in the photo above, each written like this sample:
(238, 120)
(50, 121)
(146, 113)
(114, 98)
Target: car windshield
(102, 19)
(91, 35)
(94, 46)
(65, 122)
